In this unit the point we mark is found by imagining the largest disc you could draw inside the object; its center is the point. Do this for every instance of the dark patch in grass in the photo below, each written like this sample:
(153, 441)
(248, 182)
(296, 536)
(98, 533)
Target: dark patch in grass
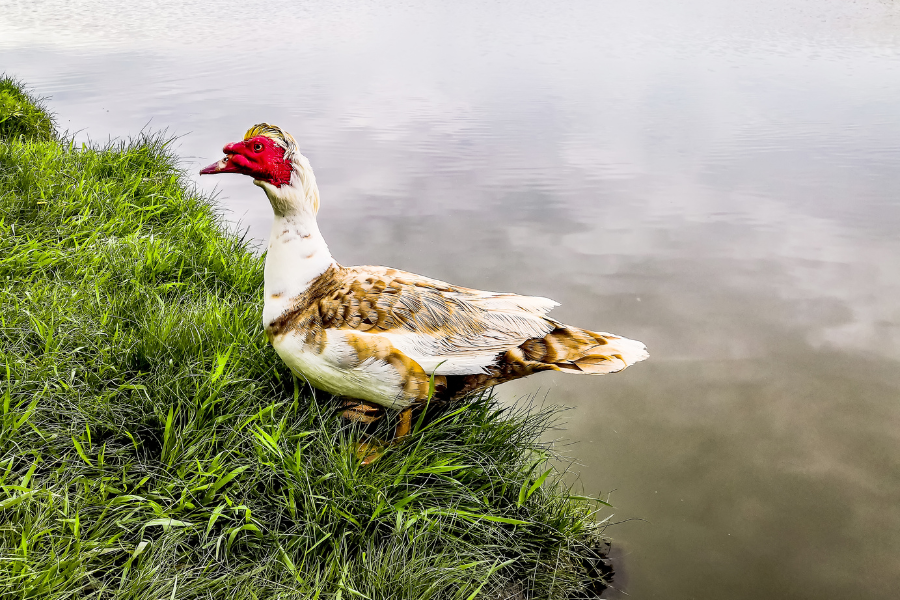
(153, 445)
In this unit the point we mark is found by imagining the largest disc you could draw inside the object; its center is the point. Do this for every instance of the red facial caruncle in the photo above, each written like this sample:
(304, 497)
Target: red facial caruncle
(259, 157)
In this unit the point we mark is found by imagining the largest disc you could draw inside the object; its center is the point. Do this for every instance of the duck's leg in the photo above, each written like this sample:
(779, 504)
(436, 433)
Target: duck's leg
(371, 449)
(368, 449)
(360, 411)
(404, 424)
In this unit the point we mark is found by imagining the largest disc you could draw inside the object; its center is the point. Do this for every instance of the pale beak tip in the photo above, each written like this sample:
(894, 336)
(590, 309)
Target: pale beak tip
(211, 169)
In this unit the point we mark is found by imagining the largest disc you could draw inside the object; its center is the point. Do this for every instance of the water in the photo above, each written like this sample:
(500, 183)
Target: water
(718, 179)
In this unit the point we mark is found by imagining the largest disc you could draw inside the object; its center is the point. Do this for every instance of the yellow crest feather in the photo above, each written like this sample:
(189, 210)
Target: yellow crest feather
(276, 134)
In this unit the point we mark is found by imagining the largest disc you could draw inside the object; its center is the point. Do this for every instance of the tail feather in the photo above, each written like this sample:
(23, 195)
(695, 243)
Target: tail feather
(575, 350)
(566, 349)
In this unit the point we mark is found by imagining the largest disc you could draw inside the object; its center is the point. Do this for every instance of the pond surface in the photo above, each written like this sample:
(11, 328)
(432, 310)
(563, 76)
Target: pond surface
(716, 178)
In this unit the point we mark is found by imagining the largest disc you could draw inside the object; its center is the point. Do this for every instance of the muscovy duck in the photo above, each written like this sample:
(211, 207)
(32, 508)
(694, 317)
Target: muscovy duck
(378, 335)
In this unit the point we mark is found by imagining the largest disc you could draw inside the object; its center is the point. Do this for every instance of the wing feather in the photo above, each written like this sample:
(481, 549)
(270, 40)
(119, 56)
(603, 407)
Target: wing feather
(448, 330)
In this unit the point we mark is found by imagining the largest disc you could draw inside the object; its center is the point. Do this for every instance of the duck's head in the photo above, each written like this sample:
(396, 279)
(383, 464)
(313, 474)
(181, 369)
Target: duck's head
(269, 155)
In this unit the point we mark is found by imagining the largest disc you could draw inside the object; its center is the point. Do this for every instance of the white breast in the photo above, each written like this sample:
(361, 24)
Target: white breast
(337, 370)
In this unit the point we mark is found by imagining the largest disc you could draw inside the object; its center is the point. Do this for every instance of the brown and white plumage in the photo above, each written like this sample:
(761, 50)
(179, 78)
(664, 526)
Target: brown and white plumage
(378, 334)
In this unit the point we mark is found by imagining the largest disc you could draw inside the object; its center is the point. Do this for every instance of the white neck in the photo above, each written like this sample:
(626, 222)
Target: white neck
(297, 252)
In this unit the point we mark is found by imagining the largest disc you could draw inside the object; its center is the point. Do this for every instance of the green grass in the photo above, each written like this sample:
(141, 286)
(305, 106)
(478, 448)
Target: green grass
(152, 445)
(22, 114)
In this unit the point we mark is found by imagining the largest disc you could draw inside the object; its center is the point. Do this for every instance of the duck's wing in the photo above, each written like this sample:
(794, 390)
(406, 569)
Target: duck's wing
(446, 329)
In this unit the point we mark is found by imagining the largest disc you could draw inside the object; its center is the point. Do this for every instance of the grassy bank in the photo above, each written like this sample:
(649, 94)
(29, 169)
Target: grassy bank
(152, 445)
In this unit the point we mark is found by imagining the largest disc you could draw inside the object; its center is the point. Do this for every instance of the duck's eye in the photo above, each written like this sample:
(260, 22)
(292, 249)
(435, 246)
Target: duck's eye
(257, 147)
(225, 160)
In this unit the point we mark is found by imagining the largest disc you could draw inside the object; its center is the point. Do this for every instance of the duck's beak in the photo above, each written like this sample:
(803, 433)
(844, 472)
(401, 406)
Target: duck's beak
(223, 166)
